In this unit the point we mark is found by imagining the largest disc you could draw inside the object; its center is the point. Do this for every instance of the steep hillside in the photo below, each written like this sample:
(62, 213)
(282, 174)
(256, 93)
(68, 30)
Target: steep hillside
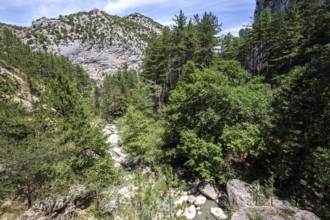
(15, 87)
(46, 124)
(192, 124)
(277, 5)
(18, 30)
(274, 5)
(99, 42)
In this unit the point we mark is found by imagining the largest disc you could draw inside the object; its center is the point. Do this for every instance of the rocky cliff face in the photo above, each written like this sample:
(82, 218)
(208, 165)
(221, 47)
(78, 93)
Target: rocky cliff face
(274, 5)
(99, 42)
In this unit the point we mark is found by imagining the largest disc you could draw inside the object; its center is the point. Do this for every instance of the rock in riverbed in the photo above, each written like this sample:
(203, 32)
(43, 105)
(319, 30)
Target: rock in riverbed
(200, 200)
(218, 213)
(209, 189)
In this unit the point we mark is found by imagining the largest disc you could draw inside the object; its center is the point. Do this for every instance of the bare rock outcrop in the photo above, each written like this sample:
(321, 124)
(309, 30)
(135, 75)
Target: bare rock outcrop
(240, 195)
(274, 5)
(99, 42)
(272, 213)
(62, 207)
(209, 189)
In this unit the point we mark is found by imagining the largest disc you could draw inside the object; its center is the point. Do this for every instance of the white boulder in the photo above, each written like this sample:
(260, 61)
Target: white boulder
(209, 189)
(190, 212)
(218, 213)
(181, 200)
(191, 199)
(239, 193)
(200, 200)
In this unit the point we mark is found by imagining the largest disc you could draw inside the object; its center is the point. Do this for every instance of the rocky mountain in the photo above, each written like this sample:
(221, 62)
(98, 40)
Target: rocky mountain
(99, 42)
(274, 5)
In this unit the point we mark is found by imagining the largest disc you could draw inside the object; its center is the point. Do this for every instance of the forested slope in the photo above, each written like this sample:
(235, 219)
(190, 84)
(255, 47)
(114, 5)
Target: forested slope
(204, 107)
(256, 110)
(48, 142)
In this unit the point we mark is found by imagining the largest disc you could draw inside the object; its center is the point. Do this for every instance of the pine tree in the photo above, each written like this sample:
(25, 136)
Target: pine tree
(112, 98)
(229, 46)
(300, 136)
(261, 26)
(190, 42)
(157, 64)
(115, 92)
(207, 28)
(286, 39)
(178, 49)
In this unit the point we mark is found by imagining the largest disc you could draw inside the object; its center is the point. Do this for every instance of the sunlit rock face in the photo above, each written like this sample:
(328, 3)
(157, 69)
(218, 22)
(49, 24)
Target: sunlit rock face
(99, 42)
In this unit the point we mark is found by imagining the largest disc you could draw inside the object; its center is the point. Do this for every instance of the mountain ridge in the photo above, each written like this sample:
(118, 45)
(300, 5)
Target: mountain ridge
(101, 43)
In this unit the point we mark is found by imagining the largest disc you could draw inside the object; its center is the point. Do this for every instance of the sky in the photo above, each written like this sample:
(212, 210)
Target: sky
(233, 14)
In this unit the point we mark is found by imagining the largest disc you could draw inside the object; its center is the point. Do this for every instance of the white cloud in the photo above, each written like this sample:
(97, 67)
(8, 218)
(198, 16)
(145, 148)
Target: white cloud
(230, 12)
(165, 21)
(233, 30)
(119, 6)
(54, 8)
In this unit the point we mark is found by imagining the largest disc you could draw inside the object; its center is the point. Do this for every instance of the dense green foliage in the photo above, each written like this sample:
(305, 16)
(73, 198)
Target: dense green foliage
(259, 109)
(50, 144)
(116, 91)
(142, 136)
(184, 41)
(38, 67)
(301, 133)
(276, 43)
(291, 49)
(125, 95)
(214, 113)
(222, 121)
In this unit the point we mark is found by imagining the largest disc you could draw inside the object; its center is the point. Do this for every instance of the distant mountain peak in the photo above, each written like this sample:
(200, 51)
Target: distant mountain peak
(101, 43)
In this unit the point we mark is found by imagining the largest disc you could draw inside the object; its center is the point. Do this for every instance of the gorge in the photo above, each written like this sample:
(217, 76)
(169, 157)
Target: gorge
(109, 117)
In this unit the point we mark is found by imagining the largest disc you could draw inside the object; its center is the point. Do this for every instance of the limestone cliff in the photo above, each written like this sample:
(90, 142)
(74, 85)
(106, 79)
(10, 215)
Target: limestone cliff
(99, 42)
(274, 5)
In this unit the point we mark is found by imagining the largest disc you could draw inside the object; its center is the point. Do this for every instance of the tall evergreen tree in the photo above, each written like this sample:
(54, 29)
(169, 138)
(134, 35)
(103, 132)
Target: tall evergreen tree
(207, 29)
(300, 137)
(178, 50)
(184, 41)
(115, 92)
(286, 38)
(190, 42)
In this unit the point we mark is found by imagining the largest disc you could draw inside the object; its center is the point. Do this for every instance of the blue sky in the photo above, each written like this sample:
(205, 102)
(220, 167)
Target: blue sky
(232, 13)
